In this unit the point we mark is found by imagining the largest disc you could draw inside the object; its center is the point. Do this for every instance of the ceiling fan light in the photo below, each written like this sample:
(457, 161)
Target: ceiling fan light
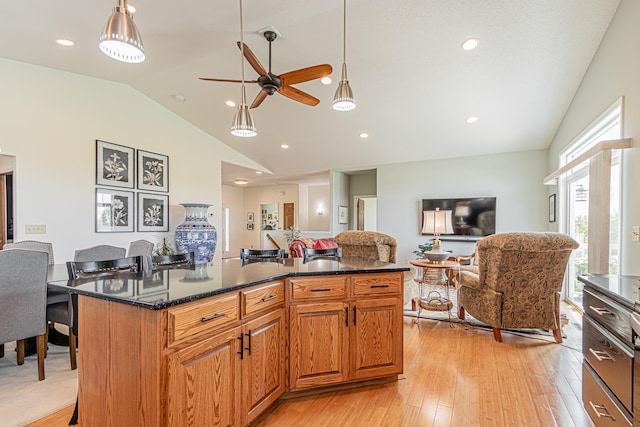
(242, 123)
(343, 99)
(120, 38)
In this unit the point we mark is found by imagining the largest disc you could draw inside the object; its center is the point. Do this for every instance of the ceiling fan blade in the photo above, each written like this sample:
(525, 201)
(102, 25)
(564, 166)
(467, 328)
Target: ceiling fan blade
(306, 74)
(261, 96)
(253, 60)
(298, 95)
(227, 80)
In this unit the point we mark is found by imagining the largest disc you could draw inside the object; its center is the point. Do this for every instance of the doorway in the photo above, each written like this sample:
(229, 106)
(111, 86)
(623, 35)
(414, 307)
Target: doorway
(366, 215)
(289, 211)
(7, 219)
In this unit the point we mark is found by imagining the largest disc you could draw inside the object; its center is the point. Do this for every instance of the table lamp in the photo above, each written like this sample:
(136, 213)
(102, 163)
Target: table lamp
(440, 223)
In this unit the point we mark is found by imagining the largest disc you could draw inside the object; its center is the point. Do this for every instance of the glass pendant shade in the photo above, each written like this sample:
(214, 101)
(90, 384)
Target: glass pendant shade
(120, 38)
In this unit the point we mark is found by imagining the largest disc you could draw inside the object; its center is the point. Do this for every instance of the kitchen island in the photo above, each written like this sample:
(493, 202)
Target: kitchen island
(218, 344)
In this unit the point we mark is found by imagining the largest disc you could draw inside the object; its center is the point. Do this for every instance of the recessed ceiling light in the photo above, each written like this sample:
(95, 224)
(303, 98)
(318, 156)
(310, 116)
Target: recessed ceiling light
(241, 182)
(230, 103)
(470, 43)
(284, 146)
(472, 119)
(364, 135)
(258, 172)
(325, 80)
(180, 98)
(65, 42)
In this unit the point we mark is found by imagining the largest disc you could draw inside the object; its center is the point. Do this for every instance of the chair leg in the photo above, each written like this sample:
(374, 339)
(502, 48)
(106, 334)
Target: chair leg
(20, 350)
(74, 418)
(557, 334)
(461, 313)
(497, 334)
(1, 350)
(46, 340)
(41, 349)
(72, 350)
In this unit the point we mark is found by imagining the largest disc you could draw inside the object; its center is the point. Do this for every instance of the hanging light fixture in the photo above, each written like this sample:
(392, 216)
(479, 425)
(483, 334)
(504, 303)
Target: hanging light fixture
(343, 99)
(120, 38)
(242, 123)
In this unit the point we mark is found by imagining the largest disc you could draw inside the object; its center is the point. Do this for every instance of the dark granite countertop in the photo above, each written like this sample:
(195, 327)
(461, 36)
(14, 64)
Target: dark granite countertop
(624, 289)
(164, 288)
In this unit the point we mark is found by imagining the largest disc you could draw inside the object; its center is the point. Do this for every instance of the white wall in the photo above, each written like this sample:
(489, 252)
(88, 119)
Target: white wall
(319, 196)
(514, 178)
(613, 73)
(50, 121)
(340, 197)
(233, 198)
(254, 196)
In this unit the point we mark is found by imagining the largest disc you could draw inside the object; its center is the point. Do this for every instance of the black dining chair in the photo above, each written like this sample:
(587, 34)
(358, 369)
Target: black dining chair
(334, 254)
(171, 261)
(248, 256)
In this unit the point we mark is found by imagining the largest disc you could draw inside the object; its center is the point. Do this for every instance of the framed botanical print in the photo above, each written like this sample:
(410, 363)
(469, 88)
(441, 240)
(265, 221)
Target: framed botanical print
(114, 211)
(343, 214)
(153, 212)
(114, 165)
(153, 171)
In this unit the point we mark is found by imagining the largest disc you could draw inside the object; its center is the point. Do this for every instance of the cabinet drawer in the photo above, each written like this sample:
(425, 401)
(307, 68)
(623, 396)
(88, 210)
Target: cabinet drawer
(610, 359)
(609, 313)
(261, 297)
(376, 284)
(202, 316)
(602, 408)
(318, 288)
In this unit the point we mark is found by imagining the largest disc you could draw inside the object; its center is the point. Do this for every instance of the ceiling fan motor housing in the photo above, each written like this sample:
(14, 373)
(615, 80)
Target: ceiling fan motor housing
(270, 85)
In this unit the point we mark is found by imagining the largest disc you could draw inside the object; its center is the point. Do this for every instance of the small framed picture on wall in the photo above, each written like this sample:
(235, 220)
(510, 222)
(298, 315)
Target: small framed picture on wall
(153, 212)
(114, 165)
(153, 171)
(114, 211)
(552, 208)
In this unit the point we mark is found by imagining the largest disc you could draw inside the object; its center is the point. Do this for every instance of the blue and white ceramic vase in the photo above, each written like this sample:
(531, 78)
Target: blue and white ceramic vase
(195, 234)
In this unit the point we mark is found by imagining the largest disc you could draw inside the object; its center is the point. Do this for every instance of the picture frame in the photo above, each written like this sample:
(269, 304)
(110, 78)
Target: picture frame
(114, 211)
(250, 217)
(153, 171)
(153, 212)
(552, 208)
(156, 281)
(343, 214)
(250, 226)
(115, 165)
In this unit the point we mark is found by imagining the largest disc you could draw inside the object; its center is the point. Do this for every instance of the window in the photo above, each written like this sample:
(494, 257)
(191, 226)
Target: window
(577, 197)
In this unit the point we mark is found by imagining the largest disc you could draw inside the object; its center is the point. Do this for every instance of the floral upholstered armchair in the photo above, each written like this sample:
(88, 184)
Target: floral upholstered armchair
(519, 281)
(367, 244)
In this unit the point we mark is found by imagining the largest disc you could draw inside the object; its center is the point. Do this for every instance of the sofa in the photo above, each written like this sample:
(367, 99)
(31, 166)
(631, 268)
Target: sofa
(368, 245)
(295, 248)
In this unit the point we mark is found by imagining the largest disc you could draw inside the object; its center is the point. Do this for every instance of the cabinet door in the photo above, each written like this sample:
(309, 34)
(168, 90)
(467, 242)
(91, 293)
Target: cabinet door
(263, 364)
(319, 344)
(203, 379)
(376, 338)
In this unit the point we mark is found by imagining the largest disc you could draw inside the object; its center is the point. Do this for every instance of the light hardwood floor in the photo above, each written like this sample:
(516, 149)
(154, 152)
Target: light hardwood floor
(452, 377)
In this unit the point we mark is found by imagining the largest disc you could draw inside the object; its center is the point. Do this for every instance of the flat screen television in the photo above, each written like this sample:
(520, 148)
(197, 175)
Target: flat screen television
(470, 218)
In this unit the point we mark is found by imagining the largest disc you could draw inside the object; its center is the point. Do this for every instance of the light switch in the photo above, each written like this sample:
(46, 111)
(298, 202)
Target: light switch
(35, 229)
(635, 233)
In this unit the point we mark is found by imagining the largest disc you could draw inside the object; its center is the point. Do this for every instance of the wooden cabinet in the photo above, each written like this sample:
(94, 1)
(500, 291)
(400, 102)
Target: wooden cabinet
(203, 379)
(358, 337)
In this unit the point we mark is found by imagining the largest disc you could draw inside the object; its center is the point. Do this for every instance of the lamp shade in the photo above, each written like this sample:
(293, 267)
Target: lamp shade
(120, 38)
(437, 222)
(242, 123)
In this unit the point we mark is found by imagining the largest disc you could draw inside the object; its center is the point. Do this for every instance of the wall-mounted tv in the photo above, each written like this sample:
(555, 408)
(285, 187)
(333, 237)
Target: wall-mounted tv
(473, 217)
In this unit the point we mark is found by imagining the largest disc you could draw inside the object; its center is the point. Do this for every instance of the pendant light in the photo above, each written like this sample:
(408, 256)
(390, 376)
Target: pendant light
(120, 38)
(343, 99)
(242, 123)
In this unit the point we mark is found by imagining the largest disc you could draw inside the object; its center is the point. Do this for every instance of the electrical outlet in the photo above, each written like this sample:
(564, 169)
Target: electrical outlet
(35, 229)
(635, 233)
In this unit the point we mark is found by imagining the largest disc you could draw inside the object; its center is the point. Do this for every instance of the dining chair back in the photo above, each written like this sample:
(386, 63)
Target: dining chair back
(249, 256)
(313, 254)
(142, 248)
(81, 270)
(32, 245)
(99, 253)
(23, 298)
(169, 261)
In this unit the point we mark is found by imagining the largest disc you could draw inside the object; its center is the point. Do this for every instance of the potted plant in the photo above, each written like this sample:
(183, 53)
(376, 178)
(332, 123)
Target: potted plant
(164, 248)
(290, 235)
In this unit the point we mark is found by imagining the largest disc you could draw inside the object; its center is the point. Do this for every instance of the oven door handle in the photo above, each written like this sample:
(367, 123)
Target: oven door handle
(634, 320)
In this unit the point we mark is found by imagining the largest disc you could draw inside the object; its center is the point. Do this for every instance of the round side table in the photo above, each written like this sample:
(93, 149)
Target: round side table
(426, 300)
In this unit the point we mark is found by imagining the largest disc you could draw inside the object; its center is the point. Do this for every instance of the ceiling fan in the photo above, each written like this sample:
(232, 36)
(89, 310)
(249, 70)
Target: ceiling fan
(271, 83)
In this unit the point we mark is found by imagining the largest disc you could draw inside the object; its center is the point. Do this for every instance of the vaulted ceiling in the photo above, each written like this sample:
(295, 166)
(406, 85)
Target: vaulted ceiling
(413, 83)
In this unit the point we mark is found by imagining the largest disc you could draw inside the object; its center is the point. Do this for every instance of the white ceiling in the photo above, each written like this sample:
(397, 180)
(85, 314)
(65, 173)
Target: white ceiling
(413, 83)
